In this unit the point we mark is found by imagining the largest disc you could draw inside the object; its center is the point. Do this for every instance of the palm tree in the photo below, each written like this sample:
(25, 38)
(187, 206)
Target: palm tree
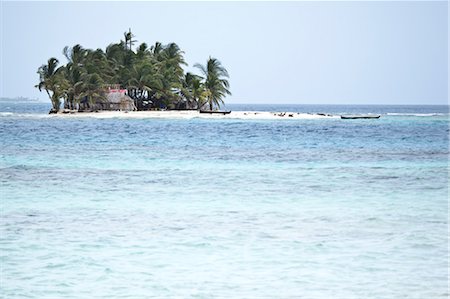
(92, 88)
(173, 62)
(156, 50)
(74, 84)
(73, 72)
(75, 55)
(142, 82)
(193, 90)
(216, 84)
(168, 61)
(51, 81)
(116, 56)
(198, 93)
(142, 52)
(129, 39)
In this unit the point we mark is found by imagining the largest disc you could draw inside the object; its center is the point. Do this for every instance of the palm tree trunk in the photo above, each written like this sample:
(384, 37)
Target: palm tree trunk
(50, 97)
(55, 103)
(71, 102)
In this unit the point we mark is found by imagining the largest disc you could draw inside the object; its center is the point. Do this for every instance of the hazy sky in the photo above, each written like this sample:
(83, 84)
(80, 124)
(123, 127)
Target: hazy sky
(334, 52)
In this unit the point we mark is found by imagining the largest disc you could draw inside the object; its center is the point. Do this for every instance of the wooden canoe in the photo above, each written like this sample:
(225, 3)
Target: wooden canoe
(215, 112)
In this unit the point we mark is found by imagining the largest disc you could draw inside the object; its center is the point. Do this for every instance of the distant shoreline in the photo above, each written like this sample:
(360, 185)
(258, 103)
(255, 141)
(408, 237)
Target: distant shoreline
(20, 100)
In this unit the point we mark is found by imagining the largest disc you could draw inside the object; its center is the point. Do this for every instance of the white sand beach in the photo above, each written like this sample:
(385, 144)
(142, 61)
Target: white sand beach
(190, 114)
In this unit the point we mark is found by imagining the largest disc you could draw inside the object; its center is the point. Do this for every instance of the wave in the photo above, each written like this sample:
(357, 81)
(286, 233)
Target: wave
(25, 115)
(417, 114)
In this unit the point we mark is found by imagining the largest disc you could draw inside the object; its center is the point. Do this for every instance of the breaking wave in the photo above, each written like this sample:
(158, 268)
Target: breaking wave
(24, 115)
(417, 114)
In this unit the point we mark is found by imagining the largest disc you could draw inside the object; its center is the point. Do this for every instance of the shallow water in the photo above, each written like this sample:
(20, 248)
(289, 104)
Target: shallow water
(130, 208)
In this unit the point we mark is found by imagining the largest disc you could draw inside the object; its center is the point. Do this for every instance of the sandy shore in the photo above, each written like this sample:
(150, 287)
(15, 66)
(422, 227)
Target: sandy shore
(195, 114)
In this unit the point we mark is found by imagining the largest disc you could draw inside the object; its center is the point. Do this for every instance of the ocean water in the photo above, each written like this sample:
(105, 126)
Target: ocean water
(160, 208)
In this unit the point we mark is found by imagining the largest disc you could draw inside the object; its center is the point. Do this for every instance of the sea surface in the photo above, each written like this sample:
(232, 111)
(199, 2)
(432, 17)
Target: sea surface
(210, 208)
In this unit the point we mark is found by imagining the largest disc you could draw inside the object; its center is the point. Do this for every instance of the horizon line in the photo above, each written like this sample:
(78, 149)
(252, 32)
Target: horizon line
(340, 104)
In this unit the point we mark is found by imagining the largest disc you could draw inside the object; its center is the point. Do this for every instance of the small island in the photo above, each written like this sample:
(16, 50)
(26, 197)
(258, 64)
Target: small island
(150, 81)
(121, 78)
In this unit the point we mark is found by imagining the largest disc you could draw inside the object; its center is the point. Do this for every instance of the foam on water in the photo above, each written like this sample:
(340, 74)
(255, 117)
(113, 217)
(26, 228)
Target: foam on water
(417, 114)
(137, 208)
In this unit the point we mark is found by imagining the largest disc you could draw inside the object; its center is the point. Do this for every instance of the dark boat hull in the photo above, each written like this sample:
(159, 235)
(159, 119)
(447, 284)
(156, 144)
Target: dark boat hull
(215, 112)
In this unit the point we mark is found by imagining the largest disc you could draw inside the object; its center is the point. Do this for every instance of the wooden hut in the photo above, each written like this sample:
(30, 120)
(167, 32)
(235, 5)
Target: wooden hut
(118, 100)
(113, 100)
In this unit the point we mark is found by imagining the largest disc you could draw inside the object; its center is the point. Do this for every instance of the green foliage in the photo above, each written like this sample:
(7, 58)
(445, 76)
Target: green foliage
(152, 75)
(194, 91)
(216, 83)
(52, 81)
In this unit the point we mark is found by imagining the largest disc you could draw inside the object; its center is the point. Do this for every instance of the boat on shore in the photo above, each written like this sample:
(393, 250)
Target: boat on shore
(215, 112)
(360, 116)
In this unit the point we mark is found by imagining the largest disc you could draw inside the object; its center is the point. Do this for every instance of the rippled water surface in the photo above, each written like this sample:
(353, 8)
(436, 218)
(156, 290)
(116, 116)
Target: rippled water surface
(129, 208)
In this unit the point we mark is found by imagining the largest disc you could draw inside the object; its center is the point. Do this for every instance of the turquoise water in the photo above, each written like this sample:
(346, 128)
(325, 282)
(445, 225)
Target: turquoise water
(330, 208)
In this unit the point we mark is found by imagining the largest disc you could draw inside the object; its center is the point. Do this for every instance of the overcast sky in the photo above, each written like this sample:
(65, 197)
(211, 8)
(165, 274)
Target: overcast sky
(357, 52)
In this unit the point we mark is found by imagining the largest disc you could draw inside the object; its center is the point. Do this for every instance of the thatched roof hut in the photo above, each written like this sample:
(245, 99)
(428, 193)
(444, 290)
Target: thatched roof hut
(118, 100)
(114, 99)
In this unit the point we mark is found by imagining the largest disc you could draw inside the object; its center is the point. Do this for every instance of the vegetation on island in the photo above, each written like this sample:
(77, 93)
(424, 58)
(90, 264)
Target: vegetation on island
(153, 77)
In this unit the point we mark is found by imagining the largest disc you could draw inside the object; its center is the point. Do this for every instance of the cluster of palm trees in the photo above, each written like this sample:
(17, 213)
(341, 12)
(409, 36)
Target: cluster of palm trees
(153, 77)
